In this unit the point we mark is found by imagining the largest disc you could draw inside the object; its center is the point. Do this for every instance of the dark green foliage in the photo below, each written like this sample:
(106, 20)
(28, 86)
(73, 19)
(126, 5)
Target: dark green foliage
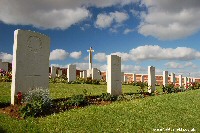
(85, 81)
(37, 102)
(142, 87)
(107, 97)
(77, 100)
(170, 88)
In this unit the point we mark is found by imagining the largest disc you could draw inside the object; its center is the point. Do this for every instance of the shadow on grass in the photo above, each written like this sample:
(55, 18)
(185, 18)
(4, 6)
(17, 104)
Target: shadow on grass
(74, 102)
(3, 105)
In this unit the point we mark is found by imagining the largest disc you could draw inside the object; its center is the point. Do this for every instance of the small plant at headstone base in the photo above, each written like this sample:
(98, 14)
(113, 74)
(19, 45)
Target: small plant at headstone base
(196, 85)
(77, 100)
(36, 103)
(53, 80)
(107, 97)
(95, 82)
(169, 88)
(141, 88)
(125, 97)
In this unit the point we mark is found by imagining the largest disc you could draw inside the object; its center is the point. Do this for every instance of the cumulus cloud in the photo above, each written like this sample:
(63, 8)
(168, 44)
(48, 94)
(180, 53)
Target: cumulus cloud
(101, 57)
(176, 65)
(155, 52)
(124, 56)
(173, 65)
(106, 20)
(127, 30)
(47, 14)
(6, 57)
(133, 69)
(170, 20)
(58, 54)
(76, 55)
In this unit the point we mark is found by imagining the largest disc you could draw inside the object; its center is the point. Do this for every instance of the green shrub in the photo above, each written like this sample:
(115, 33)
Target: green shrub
(107, 97)
(37, 102)
(77, 100)
(125, 97)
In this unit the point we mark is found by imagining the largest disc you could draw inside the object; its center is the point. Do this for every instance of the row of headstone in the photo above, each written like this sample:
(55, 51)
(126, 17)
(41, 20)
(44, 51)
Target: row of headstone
(53, 72)
(31, 52)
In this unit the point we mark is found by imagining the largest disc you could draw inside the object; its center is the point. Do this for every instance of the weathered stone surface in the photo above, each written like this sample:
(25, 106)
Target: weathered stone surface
(53, 72)
(114, 85)
(89, 73)
(30, 68)
(81, 74)
(3, 65)
(84, 74)
(151, 79)
(165, 78)
(142, 78)
(96, 74)
(173, 79)
(180, 81)
(59, 72)
(134, 78)
(122, 77)
(71, 73)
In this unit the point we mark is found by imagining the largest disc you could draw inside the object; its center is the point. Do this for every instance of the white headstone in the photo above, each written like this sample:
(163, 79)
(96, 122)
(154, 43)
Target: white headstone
(89, 73)
(114, 85)
(53, 72)
(173, 79)
(142, 78)
(180, 80)
(185, 81)
(59, 72)
(81, 74)
(30, 66)
(122, 77)
(106, 75)
(71, 73)
(134, 78)
(165, 78)
(84, 74)
(96, 74)
(125, 78)
(151, 79)
(188, 79)
(3, 65)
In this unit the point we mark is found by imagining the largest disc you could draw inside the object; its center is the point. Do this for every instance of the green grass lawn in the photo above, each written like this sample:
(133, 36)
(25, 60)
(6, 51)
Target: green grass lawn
(180, 110)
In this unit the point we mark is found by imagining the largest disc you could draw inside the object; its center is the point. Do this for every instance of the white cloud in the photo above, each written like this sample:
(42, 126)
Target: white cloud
(86, 58)
(135, 12)
(58, 54)
(155, 52)
(169, 20)
(51, 14)
(101, 57)
(126, 31)
(176, 65)
(106, 20)
(6, 57)
(133, 69)
(124, 56)
(76, 55)
(173, 65)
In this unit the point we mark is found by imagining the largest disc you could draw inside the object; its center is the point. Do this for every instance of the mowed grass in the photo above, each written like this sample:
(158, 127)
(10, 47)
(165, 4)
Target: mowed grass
(180, 110)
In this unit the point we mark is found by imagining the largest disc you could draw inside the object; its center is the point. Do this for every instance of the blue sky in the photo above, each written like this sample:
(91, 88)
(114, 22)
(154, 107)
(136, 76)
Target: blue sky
(164, 34)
